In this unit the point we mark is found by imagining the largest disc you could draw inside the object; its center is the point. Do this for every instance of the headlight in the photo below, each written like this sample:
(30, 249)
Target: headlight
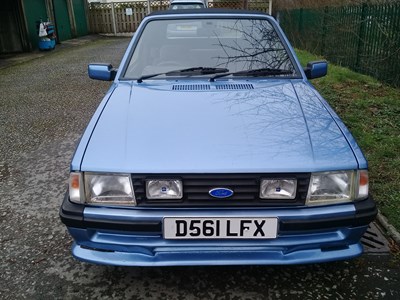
(330, 187)
(109, 189)
(278, 188)
(163, 189)
(337, 187)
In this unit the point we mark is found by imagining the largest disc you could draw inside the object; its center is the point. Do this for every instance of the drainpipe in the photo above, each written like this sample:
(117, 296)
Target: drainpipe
(48, 5)
(55, 22)
(25, 40)
(72, 21)
(86, 8)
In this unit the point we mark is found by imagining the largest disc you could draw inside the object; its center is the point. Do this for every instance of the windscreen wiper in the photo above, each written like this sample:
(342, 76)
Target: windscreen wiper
(254, 73)
(187, 72)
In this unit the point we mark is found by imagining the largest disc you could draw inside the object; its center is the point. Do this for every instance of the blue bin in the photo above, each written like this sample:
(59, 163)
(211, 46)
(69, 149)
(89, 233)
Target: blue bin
(47, 45)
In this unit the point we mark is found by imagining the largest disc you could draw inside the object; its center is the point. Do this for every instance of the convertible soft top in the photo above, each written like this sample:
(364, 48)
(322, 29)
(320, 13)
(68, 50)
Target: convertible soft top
(207, 11)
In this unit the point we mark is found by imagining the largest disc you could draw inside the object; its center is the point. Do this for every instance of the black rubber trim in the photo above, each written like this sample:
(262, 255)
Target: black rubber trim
(365, 213)
(71, 215)
(150, 227)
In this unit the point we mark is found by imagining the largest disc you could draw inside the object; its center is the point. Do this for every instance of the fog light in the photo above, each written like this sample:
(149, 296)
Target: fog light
(163, 189)
(278, 188)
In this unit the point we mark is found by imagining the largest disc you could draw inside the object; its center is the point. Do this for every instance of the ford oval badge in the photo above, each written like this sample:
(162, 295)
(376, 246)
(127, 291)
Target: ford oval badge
(220, 193)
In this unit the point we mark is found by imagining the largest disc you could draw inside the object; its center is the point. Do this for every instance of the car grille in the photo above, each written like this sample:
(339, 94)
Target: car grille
(196, 187)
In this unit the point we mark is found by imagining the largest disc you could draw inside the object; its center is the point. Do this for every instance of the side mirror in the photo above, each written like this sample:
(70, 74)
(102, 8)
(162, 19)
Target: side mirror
(102, 72)
(316, 69)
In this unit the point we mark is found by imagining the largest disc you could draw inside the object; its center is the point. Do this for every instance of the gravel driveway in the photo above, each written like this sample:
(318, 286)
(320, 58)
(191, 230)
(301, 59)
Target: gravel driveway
(44, 107)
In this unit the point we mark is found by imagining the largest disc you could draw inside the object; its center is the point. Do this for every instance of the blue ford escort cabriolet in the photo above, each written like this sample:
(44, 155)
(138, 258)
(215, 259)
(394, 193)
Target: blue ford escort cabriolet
(212, 148)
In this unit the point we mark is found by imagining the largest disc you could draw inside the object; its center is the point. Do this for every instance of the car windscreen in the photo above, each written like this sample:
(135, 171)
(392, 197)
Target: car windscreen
(234, 44)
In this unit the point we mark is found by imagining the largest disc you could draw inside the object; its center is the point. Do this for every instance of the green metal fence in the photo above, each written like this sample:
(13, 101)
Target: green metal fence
(365, 38)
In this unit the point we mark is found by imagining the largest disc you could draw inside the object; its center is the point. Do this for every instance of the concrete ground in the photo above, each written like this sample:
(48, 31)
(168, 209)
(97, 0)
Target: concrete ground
(45, 104)
(12, 59)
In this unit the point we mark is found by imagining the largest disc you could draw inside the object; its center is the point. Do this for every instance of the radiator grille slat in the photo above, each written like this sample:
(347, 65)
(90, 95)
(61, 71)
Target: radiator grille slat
(223, 182)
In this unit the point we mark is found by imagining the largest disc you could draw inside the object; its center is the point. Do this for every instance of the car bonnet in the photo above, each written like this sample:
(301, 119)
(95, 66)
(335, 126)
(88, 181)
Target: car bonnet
(200, 127)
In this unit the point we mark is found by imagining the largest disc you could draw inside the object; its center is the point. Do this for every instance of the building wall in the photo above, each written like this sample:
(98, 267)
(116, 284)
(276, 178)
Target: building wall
(10, 40)
(18, 22)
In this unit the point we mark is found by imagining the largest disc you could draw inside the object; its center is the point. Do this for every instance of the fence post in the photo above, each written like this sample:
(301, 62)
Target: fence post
(361, 34)
(301, 20)
(324, 30)
(300, 40)
(114, 24)
(270, 7)
(148, 7)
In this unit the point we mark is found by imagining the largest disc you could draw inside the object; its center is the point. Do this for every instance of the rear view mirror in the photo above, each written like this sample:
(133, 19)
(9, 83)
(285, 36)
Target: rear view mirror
(316, 69)
(102, 72)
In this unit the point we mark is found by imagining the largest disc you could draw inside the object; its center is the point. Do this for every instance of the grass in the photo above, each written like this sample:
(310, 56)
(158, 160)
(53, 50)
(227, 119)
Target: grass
(371, 110)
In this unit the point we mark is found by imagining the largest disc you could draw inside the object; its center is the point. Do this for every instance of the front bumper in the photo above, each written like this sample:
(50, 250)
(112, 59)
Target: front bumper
(133, 237)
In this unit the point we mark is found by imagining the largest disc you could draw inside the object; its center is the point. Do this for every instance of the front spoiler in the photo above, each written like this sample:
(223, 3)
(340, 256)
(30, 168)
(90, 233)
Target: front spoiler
(201, 257)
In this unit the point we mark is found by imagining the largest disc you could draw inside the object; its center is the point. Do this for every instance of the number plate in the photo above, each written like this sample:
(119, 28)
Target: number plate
(220, 228)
